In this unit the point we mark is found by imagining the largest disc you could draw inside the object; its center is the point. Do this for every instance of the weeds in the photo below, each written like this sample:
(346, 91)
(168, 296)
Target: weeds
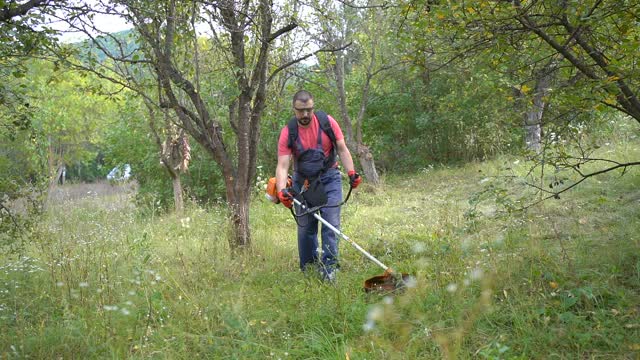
(560, 280)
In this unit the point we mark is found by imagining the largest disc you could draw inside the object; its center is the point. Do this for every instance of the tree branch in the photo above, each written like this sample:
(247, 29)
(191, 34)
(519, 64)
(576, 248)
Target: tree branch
(527, 22)
(11, 216)
(385, 5)
(556, 194)
(281, 31)
(295, 61)
(7, 12)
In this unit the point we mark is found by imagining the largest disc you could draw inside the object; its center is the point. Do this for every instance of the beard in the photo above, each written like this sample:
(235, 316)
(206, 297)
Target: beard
(304, 121)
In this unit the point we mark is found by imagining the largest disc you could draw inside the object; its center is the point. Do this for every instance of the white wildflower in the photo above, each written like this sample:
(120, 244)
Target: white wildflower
(419, 247)
(476, 274)
(411, 282)
(368, 326)
(375, 313)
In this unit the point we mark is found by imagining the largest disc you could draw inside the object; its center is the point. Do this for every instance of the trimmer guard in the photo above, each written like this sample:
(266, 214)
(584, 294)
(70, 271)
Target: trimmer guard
(387, 282)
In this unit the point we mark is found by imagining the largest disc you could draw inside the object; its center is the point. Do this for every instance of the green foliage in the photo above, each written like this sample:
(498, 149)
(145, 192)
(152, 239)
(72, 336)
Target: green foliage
(203, 183)
(22, 160)
(608, 31)
(129, 141)
(458, 118)
(24, 35)
(89, 171)
(72, 110)
(22, 145)
(477, 55)
(121, 44)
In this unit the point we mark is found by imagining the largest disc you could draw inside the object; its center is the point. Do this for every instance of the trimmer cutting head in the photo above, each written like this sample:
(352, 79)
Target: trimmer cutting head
(389, 281)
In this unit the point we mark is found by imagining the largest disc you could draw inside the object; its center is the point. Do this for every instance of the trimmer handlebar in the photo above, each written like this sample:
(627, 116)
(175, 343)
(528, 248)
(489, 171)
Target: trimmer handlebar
(307, 210)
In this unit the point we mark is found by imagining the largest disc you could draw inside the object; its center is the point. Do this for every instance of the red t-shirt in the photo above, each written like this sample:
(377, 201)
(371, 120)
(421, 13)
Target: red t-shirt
(309, 136)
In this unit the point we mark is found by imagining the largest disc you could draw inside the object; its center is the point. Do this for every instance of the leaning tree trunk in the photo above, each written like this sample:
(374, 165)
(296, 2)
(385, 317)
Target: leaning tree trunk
(365, 158)
(364, 153)
(175, 155)
(175, 152)
(55, 163)
(368, 165)
(55, 168)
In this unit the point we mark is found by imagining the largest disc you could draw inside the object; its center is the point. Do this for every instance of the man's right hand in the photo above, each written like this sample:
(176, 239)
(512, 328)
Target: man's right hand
(285, 198)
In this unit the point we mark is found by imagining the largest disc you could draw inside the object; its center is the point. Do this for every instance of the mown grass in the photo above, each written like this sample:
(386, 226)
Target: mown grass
(560, 280)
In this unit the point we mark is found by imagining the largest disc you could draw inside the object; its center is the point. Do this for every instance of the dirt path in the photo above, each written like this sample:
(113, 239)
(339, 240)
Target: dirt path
(70, 192)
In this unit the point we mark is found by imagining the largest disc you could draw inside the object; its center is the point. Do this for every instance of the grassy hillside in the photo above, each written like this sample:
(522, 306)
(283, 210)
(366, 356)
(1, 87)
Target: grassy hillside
(561, 280)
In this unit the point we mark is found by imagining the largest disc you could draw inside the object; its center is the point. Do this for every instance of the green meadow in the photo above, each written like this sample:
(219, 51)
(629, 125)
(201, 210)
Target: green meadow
(100, 278)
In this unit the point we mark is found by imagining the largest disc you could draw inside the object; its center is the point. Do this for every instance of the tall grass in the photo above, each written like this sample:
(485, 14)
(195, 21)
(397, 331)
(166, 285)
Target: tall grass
(560, 280)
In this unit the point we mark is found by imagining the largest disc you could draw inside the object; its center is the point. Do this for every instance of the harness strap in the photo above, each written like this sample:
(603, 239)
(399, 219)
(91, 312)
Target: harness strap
(300, 148)
(295, 144)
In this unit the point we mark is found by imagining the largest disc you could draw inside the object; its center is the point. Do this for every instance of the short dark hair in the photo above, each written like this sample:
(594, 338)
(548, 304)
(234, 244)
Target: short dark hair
(302, 95)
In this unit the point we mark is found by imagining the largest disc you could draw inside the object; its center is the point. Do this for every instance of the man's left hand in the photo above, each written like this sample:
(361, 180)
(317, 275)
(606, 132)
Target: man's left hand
(354, 178)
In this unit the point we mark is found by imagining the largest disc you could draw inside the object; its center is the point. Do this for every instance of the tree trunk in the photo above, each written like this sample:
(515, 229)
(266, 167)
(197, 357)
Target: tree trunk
(533, 117)
(533, 130)
(54, 180)
(368, 165)
(241, 237)
(62, 174)
(238, 199)
(58, 178)
(52, 163)
(178, 198)
(338, 70)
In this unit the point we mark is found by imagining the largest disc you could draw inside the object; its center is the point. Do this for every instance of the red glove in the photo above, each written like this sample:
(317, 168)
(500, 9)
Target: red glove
(285, 198)
(354, 178)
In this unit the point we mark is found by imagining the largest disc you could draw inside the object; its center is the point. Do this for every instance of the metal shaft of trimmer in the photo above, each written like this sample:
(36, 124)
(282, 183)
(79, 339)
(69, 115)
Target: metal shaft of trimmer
(338, 232)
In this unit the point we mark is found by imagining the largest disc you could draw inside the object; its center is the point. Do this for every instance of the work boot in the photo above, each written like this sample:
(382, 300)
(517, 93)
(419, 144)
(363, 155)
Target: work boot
(311, 267)
(329, 275)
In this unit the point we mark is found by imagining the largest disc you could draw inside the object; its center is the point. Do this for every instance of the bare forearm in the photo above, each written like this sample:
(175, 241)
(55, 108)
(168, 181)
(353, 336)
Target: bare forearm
(347, 160)
(282, 171)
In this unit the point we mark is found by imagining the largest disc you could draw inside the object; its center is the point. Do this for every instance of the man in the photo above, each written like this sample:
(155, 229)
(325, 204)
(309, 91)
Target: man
(314, 157)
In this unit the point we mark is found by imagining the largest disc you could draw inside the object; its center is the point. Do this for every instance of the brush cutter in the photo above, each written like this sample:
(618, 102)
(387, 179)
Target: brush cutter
(387, 282)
